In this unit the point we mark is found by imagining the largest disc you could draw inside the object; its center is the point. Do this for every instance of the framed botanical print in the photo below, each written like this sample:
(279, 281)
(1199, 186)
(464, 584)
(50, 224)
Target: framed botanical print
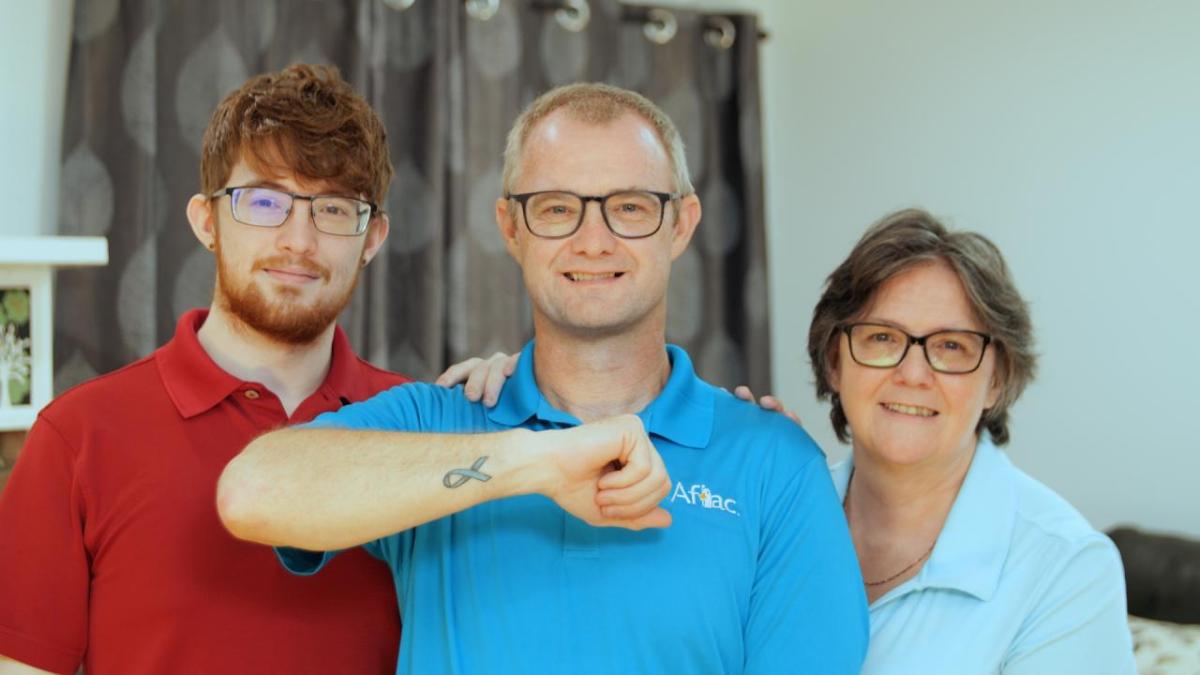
(26, 344)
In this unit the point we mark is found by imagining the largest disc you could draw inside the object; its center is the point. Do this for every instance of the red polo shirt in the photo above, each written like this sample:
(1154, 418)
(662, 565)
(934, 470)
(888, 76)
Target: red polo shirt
(111, 552)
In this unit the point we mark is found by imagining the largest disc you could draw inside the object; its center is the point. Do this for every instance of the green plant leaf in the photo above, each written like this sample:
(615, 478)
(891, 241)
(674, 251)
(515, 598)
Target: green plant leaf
(18, 392)
(16, 305)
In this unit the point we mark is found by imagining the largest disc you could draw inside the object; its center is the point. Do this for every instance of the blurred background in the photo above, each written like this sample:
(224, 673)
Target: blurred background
(1066, 131)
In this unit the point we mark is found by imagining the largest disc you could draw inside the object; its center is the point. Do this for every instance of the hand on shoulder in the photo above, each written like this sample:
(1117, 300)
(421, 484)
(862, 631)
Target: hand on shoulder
(767, 402)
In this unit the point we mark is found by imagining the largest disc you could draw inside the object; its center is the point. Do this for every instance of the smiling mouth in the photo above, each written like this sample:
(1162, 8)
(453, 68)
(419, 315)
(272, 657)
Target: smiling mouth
(585, 276)
(913, 410)
(291, 275)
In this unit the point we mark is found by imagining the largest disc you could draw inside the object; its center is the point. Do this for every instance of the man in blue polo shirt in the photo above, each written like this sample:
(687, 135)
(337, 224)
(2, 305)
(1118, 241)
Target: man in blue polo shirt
(685, 531)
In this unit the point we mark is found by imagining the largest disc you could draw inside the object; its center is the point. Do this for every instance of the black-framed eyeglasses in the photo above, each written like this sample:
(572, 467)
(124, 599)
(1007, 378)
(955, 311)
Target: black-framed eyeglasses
(877, 345)
(629, 214)
(268, 207)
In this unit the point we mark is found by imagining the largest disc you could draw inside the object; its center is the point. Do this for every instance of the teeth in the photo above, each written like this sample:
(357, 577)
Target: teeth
(581, 276)
(910, 409)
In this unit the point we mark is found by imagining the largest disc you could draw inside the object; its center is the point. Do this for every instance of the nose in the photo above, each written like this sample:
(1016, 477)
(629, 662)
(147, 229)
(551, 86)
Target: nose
(593, 236)
(298, 234)
(914, 369)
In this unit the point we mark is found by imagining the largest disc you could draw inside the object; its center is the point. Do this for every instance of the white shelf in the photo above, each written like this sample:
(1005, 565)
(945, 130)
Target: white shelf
(54, 251)
(19, 419)
(29, 262)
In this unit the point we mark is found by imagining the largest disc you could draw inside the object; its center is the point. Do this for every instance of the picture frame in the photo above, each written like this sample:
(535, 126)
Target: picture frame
(26, 344)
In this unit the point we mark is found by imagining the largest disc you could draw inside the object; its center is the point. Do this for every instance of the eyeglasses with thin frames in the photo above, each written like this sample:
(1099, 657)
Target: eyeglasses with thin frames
(267, 207)
(628, 214)
(955, 352)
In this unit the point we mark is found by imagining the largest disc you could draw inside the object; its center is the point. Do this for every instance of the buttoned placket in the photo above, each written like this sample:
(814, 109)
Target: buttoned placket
(579, 540)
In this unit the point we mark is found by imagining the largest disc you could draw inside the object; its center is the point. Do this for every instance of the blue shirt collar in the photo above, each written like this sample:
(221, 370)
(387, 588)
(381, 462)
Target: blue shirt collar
(973, 546)
(682, 413)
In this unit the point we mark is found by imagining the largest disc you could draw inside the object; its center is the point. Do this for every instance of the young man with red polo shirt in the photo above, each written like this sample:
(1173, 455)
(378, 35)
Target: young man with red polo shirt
(111, 552)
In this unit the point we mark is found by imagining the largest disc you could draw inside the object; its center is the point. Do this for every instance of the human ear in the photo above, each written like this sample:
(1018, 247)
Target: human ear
(377, 232)
(995, 388)
(506, 222)
(200, 216)
(833, 364)
(687, 217)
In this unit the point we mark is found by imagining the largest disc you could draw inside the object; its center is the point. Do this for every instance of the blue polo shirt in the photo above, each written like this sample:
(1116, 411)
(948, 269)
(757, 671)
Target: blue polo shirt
(1018, 583)
(756, 574)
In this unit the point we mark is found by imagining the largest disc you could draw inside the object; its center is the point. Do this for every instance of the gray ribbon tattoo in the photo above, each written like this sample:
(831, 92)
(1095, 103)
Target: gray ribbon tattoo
(457, 477)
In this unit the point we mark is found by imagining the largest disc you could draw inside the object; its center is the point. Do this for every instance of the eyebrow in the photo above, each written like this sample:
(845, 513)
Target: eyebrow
(900, 326)
(266, 183)
(606, 193)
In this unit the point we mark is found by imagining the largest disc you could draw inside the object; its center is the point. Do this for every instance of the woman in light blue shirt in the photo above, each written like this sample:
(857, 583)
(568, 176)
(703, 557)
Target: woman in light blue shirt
(922, 343)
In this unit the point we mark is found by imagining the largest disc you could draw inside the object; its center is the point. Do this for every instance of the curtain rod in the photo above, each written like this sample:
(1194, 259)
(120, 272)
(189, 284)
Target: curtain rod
(658, 23)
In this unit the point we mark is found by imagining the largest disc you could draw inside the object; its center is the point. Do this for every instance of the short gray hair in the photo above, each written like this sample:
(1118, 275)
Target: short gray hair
(595, 103)
(897, 243)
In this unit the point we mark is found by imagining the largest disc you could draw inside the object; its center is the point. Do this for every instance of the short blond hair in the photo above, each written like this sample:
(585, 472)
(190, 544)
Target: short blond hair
(595, 103)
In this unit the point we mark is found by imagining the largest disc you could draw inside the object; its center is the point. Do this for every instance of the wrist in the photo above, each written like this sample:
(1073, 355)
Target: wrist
(526, 454)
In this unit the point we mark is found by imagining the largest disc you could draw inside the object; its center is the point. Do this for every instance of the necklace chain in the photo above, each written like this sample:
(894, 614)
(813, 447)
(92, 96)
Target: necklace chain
(901, 572)
(909, 566)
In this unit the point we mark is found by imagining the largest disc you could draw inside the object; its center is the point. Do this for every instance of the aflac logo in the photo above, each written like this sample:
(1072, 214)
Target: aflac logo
(700, 495)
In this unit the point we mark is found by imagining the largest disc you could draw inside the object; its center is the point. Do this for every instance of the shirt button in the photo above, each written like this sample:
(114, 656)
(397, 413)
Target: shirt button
(251, 394)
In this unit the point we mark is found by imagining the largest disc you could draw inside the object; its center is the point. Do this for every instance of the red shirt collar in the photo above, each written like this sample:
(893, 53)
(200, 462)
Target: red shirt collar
(196, 383)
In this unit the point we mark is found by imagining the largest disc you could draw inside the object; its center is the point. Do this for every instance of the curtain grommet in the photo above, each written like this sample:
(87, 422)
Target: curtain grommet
(720, 32)
(574, 15)
(660, 26)
(482, 9)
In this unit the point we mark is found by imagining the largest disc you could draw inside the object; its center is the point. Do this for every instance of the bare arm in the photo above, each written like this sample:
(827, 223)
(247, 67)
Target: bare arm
(326, 489)
(11, 667)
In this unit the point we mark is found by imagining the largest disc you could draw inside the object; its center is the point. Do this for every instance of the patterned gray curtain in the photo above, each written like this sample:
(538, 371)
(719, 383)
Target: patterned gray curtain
(448, 80)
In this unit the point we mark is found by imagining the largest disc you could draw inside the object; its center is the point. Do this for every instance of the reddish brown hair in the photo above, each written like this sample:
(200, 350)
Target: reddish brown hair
(304, 120)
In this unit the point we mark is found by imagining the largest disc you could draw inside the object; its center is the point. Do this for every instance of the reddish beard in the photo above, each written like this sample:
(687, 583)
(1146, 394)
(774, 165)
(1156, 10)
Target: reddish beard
(285, 319)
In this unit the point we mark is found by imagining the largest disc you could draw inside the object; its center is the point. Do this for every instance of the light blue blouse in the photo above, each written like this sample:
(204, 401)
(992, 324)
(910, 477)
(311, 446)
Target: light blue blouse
(1018, 583)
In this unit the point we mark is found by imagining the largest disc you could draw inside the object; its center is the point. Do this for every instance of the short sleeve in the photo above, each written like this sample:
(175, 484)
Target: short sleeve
(44, 571)
(301, 562)
(808, 610)
(1080, 625)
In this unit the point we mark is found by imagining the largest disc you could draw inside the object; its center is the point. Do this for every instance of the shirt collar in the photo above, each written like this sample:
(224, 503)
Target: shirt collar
(682, 413)
(196, 383)
(193, 380)
(973, 546)
(346, 378)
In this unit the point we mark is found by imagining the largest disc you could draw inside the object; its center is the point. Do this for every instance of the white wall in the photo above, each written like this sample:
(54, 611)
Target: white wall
(34, 43)
(1068, 131)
